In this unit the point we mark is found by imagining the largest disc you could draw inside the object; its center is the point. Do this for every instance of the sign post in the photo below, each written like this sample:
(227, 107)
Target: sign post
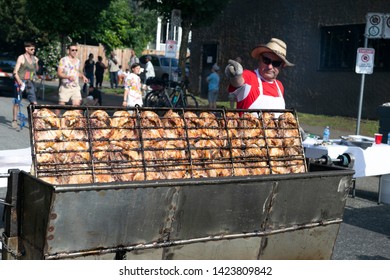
(364, 65)
(377, 25)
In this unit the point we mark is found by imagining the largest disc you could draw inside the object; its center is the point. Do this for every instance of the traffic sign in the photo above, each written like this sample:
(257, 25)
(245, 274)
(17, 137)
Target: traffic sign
(365, 61)
(386, 26)
(374, 25)
(170, 48)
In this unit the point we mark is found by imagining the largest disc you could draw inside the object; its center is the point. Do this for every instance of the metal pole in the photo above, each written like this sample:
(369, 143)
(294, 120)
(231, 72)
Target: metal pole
(361, 95)
(172, 37)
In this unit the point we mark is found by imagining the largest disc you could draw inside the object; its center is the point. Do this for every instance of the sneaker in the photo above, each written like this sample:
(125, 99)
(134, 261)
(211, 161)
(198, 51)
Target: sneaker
(14, 124)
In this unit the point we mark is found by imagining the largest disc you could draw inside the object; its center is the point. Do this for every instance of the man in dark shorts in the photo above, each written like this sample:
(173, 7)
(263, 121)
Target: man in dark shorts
(24, 74)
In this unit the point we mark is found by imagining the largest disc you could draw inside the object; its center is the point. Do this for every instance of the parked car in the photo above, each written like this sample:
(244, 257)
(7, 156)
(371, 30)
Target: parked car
(7, 65)
(162, 67)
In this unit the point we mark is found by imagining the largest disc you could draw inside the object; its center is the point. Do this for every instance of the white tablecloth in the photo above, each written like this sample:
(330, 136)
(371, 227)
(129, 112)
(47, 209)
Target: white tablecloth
(373, 161)
(14, 159)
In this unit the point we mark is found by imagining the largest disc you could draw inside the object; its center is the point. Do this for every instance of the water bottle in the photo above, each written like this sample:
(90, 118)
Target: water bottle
(175, 98)
(326, 134)
(388, 138)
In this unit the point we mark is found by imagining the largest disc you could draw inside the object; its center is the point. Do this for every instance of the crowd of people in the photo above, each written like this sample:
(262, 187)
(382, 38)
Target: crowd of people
(71, 72)
(248, 89)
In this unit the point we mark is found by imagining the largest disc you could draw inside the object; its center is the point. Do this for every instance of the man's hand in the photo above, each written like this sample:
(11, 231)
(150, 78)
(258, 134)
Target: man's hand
(22, 86)
(233, 69)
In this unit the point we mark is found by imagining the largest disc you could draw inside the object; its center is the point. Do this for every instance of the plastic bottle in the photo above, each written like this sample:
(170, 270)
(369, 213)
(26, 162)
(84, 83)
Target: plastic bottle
(175, 98)
(388, 138)
(326, 134)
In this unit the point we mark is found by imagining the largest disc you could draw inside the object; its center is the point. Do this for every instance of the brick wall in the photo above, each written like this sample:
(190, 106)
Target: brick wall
(246, 23)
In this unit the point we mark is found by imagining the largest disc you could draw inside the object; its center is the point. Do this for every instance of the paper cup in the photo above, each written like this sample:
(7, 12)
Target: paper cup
(378, 138)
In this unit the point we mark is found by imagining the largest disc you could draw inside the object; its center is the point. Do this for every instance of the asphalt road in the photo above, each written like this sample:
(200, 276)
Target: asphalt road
(364, 233)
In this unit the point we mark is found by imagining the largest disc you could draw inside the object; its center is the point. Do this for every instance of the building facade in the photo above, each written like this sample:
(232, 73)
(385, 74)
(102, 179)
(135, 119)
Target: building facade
(322, 39)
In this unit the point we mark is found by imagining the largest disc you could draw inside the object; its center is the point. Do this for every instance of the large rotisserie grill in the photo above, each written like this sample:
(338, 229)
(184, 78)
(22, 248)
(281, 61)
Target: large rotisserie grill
(100, 146)
(166, 184)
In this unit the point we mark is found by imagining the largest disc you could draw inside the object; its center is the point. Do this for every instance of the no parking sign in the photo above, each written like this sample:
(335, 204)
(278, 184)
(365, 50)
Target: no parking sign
(365, 61)
(170, 48)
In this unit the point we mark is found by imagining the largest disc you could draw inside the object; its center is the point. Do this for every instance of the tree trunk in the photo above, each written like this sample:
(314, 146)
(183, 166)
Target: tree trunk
(186, 29)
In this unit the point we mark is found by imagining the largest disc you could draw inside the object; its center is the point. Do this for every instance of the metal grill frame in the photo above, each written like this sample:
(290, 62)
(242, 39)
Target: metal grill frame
(146, 166)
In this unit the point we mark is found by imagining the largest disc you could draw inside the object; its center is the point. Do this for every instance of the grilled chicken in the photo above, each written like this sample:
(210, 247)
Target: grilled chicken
(170, 147)
(287, 120)
(47, 133)
(100, 123)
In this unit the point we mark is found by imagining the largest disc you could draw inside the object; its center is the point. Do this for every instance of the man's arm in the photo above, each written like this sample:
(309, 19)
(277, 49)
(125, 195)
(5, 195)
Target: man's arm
(36, 63)
(19, 62)
(61, 73)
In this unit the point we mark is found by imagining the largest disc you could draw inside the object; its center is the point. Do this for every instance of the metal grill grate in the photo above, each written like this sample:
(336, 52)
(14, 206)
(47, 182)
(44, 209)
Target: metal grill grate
(109, 144)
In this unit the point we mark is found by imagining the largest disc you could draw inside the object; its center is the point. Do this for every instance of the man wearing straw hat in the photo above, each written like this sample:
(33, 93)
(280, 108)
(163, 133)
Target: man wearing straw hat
(259, 88)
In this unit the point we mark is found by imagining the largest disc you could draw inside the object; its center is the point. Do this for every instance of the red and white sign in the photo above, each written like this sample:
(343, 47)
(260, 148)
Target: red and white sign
(10, 75)
(365, 61)
(170, 48)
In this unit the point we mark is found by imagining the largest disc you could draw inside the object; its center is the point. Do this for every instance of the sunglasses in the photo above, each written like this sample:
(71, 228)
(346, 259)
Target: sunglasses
(268, 61)
(32, 49)
(73, 50)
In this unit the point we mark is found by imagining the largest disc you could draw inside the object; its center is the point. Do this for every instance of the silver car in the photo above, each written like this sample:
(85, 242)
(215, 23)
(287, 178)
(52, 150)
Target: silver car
(165, 68)
(7, 65)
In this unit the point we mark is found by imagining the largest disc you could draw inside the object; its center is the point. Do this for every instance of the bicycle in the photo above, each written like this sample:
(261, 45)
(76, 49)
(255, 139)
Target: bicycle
(22, 118)
(164, 96)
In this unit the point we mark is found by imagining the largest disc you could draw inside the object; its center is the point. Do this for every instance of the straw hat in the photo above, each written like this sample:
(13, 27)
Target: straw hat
(276, 46)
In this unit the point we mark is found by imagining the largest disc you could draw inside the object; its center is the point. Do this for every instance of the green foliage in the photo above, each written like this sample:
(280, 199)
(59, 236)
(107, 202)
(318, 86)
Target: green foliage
(194, 13)
(65, 17)
(15, 27)
(122, 25)
(50, 55)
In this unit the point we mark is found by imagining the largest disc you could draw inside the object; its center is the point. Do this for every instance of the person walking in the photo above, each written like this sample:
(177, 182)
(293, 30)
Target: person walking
(260, 88)
(133, 87)
(24, 72)
(149, 68)
(69, 72)
(99, 72)
(89, 69)
(133, 58)
(213, 86)
(113, 68)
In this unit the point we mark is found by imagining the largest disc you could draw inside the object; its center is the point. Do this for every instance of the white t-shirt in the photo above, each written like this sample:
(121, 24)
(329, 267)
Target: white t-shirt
(149, 70)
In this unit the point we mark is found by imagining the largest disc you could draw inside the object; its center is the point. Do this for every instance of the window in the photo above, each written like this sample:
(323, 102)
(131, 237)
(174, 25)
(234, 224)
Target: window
(339, 46)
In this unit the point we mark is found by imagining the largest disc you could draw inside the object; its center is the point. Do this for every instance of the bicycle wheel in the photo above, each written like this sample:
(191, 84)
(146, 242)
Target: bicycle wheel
(156, 98)
(190, 101)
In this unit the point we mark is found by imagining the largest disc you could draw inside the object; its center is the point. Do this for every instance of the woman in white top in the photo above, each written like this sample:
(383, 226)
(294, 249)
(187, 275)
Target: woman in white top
(133, 87)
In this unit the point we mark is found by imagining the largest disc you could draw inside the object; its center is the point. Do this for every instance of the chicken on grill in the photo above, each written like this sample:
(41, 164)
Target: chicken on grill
(240, 169)
(258, 168)
(124, 146)
(129, 146)
(152, 133)
(47, 133)
(75, 143)
(100, 123)
(175, 145)
(287, 120)
(218, 170)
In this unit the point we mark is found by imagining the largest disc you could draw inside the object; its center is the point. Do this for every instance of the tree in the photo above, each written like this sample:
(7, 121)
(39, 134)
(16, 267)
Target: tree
(194, 13)
(124, 25)
(64, 18)
(16, 27)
